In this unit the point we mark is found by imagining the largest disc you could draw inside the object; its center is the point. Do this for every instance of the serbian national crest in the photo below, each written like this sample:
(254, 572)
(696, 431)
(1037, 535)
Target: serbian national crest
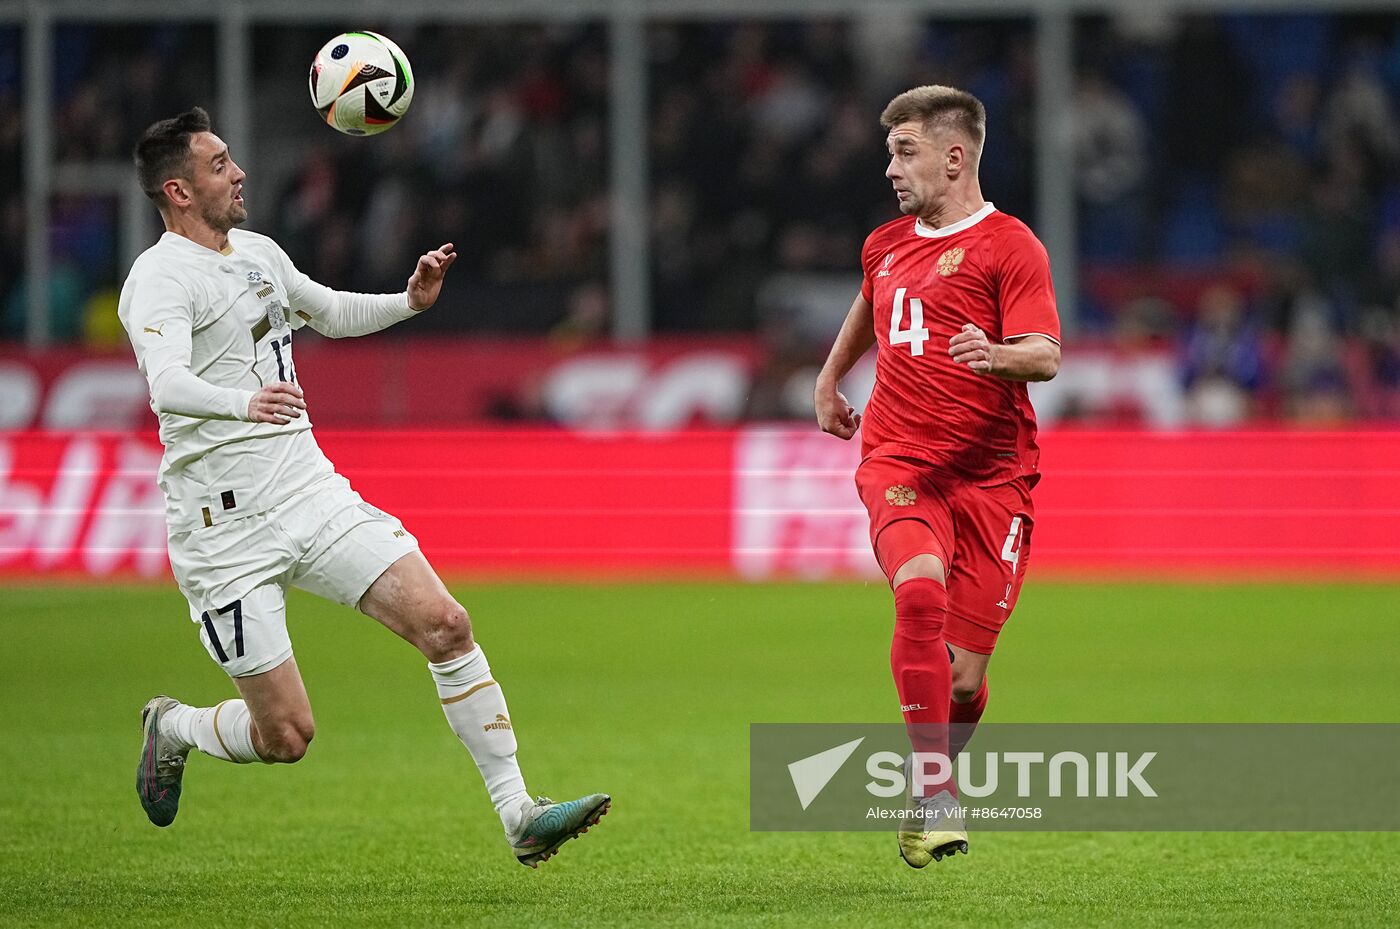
(948, 261)
(275, 315)
(899, 495)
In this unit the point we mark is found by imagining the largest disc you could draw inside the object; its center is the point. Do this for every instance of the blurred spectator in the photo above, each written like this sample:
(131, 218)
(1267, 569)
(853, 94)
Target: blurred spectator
(1260, 198)
(1377, 355)
(1289, 293)
(1381, 289)
(1110, 140)
(1223, 360)
(1339, 224)
(1312, 375)
(1110, 145)
(1295, 113)
(1359, 113)
(589, 317)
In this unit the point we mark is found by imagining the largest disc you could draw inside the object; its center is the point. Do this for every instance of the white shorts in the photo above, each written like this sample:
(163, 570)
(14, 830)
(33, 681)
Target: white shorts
(326, 540)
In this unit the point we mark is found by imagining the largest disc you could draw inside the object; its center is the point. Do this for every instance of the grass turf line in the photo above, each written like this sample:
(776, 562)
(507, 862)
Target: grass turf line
(646, 691)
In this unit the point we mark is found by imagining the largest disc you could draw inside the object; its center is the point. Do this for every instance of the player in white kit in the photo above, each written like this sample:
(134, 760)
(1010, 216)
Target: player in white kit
(253, 505)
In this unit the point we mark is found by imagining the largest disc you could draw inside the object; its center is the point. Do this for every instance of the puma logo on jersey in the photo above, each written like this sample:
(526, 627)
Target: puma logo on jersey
(948, 261)
(156, 330)
(885, 267)
(265, 291)
(502, 722)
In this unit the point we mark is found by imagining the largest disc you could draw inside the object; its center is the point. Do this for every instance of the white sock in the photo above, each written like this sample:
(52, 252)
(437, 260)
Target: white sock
(476, 711)
(224, 731)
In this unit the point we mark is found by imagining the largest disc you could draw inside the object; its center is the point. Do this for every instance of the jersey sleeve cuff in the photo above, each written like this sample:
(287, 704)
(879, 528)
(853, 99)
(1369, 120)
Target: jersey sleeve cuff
(1022, 335)
(240, 399)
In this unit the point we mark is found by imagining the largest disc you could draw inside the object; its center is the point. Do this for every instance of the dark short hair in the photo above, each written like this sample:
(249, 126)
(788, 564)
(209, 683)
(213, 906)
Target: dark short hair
(938, 106)
(164, 151)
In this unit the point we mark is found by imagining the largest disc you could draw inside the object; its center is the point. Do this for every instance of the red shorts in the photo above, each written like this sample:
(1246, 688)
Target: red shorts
(981, 534)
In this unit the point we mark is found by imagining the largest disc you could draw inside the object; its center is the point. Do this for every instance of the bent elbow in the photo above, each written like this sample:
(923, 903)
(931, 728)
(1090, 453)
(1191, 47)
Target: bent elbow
(163, 403)
(160, 395)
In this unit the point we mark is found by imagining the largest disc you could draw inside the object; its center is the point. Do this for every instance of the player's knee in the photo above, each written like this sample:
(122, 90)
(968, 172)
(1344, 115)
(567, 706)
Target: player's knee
(448, 632)
(965, 690)
(922, 565)
(287, 742)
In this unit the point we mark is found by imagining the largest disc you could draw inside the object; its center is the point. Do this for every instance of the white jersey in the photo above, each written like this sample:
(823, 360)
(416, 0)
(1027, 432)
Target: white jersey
(210, 329)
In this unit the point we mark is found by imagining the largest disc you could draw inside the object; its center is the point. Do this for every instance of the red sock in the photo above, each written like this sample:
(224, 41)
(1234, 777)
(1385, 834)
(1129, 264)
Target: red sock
(964, 717)
(922, 673)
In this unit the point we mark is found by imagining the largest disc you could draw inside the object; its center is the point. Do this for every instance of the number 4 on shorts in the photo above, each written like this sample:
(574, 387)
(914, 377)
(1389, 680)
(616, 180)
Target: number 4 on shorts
(237, 608)
(1011, 548)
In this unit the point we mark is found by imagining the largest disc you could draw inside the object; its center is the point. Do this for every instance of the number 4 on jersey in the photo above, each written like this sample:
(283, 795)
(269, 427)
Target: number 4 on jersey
(916, 335)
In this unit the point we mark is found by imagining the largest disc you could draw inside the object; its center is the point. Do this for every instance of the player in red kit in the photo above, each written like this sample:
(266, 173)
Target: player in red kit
(958, 298)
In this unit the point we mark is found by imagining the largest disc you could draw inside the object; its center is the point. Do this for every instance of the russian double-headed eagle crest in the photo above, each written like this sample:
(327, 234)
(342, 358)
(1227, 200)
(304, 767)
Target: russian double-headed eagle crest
(899, 495)
(948, 261)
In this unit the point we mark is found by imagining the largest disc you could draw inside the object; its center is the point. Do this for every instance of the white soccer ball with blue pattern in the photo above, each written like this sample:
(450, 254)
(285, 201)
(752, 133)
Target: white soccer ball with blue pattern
(361, 83)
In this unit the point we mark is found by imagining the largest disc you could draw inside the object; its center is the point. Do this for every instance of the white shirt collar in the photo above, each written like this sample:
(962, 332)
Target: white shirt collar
(966, 223)
(190, 245)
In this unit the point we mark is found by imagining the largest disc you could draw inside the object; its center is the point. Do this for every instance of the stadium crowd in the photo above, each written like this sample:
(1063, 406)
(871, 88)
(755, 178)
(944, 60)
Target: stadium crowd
(1244, 216)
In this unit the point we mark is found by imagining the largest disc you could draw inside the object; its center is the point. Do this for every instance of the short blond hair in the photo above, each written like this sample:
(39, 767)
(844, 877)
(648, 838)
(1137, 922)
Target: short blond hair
(940, 107)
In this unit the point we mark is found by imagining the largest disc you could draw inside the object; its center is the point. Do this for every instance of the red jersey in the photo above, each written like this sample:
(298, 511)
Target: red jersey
(925, 284)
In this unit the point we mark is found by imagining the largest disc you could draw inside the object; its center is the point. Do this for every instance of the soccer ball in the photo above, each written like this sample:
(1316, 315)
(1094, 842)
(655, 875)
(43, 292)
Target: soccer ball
(361, 83)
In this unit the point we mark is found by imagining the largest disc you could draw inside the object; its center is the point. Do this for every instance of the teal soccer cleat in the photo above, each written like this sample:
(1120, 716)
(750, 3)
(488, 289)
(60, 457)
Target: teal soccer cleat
(548, 825)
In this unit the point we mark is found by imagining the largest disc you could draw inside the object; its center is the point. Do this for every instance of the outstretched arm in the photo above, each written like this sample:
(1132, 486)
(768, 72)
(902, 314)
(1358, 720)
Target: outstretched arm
(834, 412)
(338, 314)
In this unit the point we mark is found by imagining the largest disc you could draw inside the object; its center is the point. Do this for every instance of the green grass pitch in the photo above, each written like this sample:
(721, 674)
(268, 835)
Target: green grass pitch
(646, 691)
